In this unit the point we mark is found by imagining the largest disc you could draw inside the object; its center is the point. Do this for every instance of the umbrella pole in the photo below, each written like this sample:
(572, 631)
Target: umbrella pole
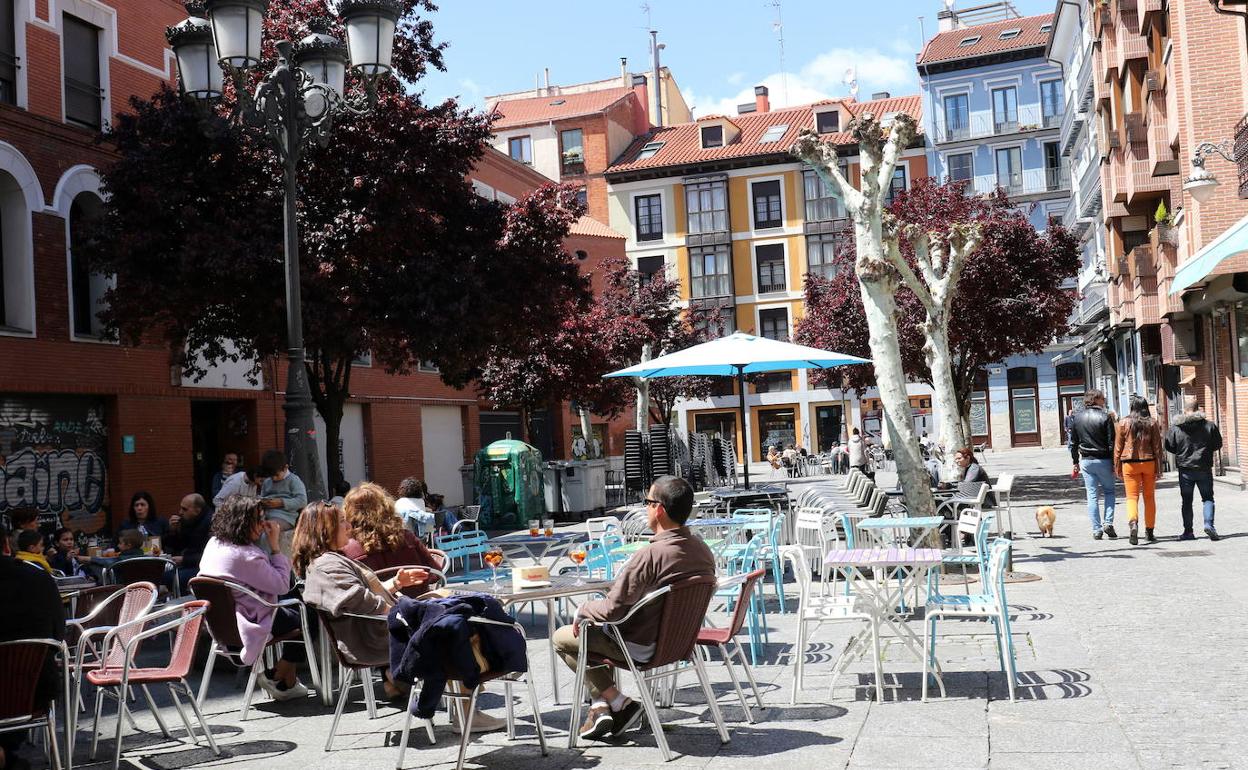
(745, 431)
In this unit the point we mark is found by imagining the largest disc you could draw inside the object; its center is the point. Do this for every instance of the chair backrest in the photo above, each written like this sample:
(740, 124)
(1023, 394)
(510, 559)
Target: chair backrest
(981, 536)
(89, 599)
(470, 512)
(795, 555)
(462, 544)
(998, 560)
(849, 525)
(183, 655)
(684, 612)
(1005, 484)
(149, 569)
(136, 603)
(598, 526)
(222, 623)
(634, 525)
(439, 578)
(742, 608)
(968, 522)
(21, 668)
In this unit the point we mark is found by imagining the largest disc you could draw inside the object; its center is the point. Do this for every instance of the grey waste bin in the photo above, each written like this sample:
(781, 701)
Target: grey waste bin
(586, 483)
(556, 500)
(469, 486)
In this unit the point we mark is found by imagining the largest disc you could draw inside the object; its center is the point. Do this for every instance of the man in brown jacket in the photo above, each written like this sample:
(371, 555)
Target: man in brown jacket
(674, 554)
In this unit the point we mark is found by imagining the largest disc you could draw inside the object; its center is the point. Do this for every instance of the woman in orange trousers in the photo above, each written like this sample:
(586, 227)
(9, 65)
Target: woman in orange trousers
(1137, 461)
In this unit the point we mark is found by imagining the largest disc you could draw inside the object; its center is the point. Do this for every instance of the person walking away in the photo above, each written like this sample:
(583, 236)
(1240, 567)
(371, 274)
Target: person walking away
(1137, 461)
(858, 454)
(282, 495)
(1092, 452)
(1193, 440)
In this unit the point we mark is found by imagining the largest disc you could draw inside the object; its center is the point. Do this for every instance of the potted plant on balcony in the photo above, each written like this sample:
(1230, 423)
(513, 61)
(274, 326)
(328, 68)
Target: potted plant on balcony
(1166, 231)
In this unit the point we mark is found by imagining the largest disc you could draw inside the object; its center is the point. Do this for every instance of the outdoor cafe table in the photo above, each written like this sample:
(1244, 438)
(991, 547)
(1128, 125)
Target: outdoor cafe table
(535, 547)
(887, 530)
(748, 498)
(561, 587)
(892, 572)
(70, 587)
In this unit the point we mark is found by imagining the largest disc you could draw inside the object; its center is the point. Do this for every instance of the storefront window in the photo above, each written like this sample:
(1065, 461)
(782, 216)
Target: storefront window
(776, 427)
(979, 414)
(1241, 329)
(1023, 404)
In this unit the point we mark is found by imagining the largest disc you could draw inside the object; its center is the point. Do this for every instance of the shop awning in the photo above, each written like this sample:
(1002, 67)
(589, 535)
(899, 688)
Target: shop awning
(1231, 243)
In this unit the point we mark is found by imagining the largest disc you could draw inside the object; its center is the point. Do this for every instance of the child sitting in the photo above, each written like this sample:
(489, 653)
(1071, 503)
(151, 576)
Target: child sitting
(30, 548)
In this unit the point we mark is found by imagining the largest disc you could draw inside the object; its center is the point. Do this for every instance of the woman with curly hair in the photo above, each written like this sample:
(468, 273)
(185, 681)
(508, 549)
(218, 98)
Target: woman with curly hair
(379, 539)
(232, 554)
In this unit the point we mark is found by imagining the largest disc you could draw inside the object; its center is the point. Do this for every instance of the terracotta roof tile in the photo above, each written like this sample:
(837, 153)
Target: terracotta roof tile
(587, 225)
(947, 46)
(682, 144)
(540, 109)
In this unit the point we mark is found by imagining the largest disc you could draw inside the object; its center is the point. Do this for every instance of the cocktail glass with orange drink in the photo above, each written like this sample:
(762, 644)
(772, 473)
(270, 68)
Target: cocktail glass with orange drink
(577, 555)
(494, 557)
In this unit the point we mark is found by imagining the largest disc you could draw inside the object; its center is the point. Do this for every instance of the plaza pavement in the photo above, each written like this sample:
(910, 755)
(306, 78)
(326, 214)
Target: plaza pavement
(1129, 658)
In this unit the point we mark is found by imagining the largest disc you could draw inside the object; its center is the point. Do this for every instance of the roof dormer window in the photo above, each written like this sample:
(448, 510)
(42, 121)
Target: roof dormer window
(774, 134)
(828, 122)
(1009, 34)
(649, 149)
(1046, 29)
(968, 41)
(712, 136)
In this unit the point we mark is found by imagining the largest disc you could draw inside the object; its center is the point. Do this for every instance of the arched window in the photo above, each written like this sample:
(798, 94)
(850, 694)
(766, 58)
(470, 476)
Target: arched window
(86, 286)
(17, 300)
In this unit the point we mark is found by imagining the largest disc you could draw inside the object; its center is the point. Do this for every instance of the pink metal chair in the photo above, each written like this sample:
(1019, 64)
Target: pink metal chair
(684, 610)
(184, 619)
(21, 667)
(721, 638)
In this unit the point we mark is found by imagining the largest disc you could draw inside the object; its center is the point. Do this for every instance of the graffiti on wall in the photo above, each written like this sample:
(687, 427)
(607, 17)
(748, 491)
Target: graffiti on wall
(53, 457)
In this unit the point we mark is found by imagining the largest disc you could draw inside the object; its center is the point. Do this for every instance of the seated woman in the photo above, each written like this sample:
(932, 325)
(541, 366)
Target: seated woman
(412, 508)
(379, 539)
(232, 554)
(972, 472)
(142, 516)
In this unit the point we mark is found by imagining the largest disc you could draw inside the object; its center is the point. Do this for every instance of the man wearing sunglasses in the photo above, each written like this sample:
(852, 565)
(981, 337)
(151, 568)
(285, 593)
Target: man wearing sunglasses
(674, 554)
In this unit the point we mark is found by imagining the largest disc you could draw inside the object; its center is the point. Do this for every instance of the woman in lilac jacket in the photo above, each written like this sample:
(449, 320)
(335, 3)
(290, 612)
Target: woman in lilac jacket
(232, 554)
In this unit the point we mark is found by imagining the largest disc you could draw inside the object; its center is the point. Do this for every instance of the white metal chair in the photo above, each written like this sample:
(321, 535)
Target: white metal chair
(684, 610)
(633, 526)
(974, 524)
(815, 610)
(598, 526)
(507, 678)
(1002, 491)
(991, 605)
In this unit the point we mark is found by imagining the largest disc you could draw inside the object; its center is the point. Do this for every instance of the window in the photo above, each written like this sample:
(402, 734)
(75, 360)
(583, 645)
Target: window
(957, 117)
(649, 210)
(363, 358)
(774, 134)
(707, 206)
(1053, 170)
(716, 321)
(83, 95)
(961, 167)
(1010, 168)
(582, 196)
(821, 254)
(712, 136)
(1009, 34)
(648, 267)
(649, 149)
(711, 272)
(428, 366)
(897, 185)
(86, 286)
(774, 325)
(770, 258)
(828, 122)
(572, 149)
(1046, 28)
(1005, 109)
(766, 197)
(966, 42)
(8, 54)
(821, 204)
(521, 148)
(773, 382)
(1051, 103)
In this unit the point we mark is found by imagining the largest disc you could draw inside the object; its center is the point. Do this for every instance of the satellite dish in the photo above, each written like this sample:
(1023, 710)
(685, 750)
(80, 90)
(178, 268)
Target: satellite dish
(851, 80)
(949, 5)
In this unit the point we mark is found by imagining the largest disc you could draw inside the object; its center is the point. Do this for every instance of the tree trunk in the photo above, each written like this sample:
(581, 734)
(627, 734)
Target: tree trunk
(587, 432)
(878, 285)
(329, 380)
(939, 363)
(333, 445)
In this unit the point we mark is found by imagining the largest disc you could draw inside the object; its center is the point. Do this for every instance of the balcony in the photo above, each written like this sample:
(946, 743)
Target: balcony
(1116, 177)
(1147, 9)
(1140, 182)
(1092, 304)
(1241, 154)
(1145, 301)
(1090, 204)
(1121, 303)
(1166, 257)
(1129, 48)
(1036, 181)
(1140, 262)
(980, 125)
(1135, 133)
(572, 164)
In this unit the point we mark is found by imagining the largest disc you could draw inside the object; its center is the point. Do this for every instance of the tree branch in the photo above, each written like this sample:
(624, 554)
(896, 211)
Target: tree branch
(825, 161)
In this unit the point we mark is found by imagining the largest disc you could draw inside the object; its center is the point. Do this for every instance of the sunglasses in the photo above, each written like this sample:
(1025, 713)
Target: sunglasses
(648, 501)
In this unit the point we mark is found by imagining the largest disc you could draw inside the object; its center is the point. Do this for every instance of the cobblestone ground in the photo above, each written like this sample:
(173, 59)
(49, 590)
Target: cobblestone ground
(1129, 657)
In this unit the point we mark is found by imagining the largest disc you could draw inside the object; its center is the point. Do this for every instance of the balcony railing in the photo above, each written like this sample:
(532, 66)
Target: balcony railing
(1090, 190)
(1241, 154)
(1030, 182)
(984, 124)
(1093, 302)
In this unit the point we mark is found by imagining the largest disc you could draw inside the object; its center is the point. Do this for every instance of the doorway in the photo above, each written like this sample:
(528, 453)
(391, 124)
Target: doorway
(1024, 407)
(218, 427)
(828, 423)
(776, 427)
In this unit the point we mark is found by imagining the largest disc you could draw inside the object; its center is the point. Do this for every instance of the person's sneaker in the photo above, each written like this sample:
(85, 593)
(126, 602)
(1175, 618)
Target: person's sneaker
(265, 682)
(1187, 535)
(1149, 536)
(481, 722)
(626, 718)
(293, 692)
(1134, 535)
(1110, 533)
(598, 725)
(1096, 535)
(1213, 534)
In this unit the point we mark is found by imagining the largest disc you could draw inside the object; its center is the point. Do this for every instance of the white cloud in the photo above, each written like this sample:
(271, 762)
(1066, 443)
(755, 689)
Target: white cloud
(819, 78)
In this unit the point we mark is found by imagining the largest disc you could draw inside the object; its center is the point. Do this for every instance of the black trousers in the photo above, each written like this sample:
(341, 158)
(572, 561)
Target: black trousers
(286, 620)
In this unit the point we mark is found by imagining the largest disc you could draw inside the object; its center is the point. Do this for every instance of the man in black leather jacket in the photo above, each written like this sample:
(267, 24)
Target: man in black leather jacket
(1092, 452)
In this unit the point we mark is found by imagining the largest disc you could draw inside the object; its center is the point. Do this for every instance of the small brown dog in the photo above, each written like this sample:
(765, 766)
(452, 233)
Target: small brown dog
(1045, 518)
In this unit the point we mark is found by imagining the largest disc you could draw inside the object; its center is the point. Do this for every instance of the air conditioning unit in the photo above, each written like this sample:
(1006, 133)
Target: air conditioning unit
(1152, 81)
(1181, 342)
(1114, 140)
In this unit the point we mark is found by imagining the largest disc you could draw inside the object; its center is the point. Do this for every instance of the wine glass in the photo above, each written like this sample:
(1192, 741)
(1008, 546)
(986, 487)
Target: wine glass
(494, 557)
(577, 555)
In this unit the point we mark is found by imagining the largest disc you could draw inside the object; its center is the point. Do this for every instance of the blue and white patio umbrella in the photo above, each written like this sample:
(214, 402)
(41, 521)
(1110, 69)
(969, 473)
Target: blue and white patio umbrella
(737, 355)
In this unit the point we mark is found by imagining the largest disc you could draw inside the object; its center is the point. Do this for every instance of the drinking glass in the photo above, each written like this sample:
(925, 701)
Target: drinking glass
(550, 527)
(534, 526)
(494, 557)
(577, 555)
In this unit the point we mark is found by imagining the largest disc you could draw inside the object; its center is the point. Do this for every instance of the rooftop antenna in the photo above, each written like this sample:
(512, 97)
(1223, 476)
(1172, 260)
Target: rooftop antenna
(645, 8)
(851, 80)
(777, 26)
(922, 33)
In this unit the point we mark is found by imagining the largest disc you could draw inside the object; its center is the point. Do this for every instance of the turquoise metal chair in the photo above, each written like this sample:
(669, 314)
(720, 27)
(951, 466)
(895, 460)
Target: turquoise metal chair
(772, 524)
(463, 546)
(750, 557)
(976, 524)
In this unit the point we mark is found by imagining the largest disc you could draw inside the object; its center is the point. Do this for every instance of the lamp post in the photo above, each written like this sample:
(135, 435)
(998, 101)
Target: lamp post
(1202, 182)
(295, 103)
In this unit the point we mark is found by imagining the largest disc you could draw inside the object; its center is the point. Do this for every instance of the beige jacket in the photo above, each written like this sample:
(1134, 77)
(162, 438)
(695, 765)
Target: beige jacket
(335, 585)
(1127, 449)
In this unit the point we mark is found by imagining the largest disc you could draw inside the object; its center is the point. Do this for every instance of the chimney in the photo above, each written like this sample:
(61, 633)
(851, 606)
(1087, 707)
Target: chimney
(761, 102)
(947, 18)
(624, 79)
(644, 121)
(880, 95)
(546, 81)
(747, 108)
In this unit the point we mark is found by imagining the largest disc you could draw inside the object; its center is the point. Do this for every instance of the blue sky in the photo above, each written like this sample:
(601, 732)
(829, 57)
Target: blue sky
(718, 51)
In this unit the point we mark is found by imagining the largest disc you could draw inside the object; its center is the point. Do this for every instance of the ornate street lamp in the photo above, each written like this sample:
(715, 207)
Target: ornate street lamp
(1202, 182)
(294, 103)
